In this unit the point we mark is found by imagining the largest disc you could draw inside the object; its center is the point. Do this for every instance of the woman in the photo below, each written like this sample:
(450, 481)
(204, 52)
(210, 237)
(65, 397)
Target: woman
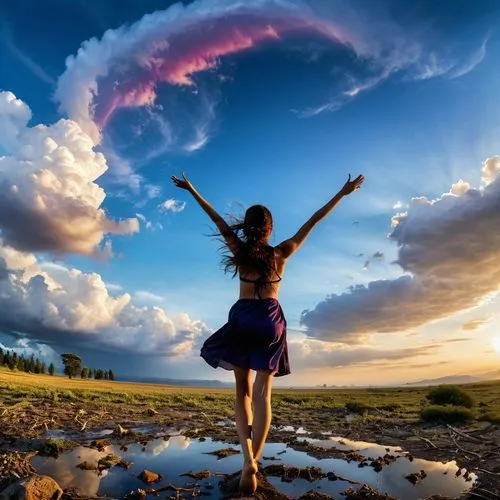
(255, 336)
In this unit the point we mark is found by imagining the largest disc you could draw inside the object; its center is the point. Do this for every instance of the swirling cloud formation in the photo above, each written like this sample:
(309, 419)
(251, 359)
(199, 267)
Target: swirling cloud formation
(128, 65)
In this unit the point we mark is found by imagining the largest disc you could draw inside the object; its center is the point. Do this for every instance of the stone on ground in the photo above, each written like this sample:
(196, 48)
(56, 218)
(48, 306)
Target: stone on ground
(32, 488)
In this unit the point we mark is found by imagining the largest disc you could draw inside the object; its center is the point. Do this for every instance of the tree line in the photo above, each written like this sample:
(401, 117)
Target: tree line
(16, 361)
(72, 366)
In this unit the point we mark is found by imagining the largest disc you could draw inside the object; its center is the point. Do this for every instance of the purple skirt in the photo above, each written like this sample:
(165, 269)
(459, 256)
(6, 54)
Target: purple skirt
(254, 337)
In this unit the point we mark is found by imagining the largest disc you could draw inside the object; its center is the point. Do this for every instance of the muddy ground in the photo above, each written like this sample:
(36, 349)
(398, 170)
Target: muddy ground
(23, 428)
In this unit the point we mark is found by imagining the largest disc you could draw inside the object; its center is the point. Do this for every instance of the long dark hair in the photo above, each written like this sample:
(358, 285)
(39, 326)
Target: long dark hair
(254, 254)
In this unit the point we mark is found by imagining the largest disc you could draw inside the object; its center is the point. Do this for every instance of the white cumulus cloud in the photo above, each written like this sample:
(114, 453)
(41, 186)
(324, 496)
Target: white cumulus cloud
(449, 250)
(172, 205)
(49, 199)
(54, 304)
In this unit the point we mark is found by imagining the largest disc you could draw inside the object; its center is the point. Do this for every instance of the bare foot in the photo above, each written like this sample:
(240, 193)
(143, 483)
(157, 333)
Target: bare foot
(248, 481)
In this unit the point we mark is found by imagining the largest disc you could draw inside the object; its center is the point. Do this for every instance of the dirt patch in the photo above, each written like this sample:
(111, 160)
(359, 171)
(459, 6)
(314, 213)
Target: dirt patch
(25, 420)
(289, 473)
(226, 452)
(14, 465)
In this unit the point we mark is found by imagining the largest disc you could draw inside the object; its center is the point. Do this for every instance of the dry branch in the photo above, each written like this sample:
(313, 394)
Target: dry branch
(487, 471)
(468, 436)
(428, 442)
(463, 449)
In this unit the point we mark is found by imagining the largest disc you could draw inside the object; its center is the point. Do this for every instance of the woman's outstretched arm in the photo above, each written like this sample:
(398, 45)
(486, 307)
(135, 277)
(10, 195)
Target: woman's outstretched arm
(288, 247)
(227, 233)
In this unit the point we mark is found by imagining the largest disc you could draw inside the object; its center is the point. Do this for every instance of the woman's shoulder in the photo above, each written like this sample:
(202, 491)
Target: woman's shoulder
(278, 250)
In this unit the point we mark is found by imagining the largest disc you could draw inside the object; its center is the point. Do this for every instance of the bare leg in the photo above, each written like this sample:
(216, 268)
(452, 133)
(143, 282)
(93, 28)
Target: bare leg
(262, 411)
(244, 417)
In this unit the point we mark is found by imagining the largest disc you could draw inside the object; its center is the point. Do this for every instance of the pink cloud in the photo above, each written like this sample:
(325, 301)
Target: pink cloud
(197, 48)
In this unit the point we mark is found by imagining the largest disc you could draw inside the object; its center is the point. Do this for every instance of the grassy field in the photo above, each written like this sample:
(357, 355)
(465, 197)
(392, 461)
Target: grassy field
(31, 405)
(403, 403)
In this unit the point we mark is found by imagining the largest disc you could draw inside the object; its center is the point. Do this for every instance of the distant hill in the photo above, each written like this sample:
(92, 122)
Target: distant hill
(457, 379)
(450, 379)
(175, 381)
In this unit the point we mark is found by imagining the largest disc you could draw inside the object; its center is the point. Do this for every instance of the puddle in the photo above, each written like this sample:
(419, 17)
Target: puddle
(225, 423)
(365, 448)
(103, 433)
(291, 428)
(178, 455)
(63, 434)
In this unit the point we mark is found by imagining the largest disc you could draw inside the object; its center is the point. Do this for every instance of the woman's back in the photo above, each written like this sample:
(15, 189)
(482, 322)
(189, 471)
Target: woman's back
(269, 285)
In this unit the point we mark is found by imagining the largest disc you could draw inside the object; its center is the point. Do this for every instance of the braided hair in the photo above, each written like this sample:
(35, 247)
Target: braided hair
(254, 254)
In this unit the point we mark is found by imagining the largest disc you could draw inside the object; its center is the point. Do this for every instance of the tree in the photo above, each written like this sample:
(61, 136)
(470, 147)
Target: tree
(85, 373)
(12, 363)
(31, 364)
(43, 369)
(72, 364)
(111, 375)
(1, 357)
(52, 369)
(20, 364)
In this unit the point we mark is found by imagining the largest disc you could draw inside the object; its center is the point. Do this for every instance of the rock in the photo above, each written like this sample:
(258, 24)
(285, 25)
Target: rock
(289, 473)
(265, 491)
(54, 447)
(416, 477)
(197, 475)
(365, 492)
(138, 494)
(110, 460)
(32, 488)
(315, 495)
(152, 412)
(87, 465)
(226, 452)
(100, 444)
(124, 464)
(148, 477)
(74, 493)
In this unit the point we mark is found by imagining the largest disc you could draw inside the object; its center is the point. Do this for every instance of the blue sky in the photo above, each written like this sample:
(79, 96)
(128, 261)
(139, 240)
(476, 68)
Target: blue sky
(405, 94)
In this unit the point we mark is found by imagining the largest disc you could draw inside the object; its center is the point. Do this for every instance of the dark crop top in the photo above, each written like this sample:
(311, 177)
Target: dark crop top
(259, 281)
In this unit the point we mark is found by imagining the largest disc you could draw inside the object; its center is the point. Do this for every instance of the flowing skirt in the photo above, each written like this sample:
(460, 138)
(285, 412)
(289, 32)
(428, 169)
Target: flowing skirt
(254, 337)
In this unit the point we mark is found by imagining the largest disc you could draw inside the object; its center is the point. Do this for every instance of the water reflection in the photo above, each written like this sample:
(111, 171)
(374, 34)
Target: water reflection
(291, 428)
(66, 472)
(175, 456)
(364, 447)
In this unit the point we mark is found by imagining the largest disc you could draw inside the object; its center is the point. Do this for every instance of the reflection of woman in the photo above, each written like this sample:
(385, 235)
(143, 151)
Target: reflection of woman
(255, 336)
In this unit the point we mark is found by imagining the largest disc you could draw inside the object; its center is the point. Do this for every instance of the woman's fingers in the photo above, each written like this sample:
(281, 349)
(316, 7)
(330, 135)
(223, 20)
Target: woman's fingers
(178, 182)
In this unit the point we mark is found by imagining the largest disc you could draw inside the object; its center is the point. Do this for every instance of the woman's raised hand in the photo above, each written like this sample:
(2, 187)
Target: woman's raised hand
(351, 186)
(182, 183)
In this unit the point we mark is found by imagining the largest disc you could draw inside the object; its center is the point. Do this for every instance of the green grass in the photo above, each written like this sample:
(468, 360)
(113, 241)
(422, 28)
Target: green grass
(450, 395)
(492, 417)
(449, 414)
(403, 404)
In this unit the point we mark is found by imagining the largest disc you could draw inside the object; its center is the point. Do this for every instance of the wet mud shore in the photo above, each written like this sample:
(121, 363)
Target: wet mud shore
(37, 426)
